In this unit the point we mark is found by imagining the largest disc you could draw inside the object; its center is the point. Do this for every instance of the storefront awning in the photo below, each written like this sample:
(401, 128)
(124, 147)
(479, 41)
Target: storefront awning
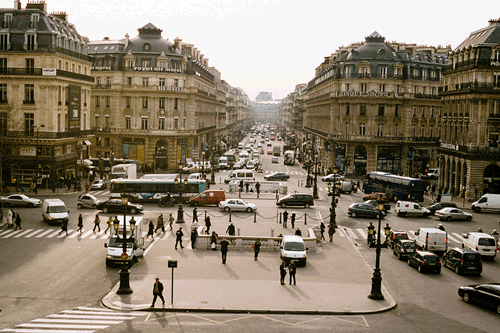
(86, 142)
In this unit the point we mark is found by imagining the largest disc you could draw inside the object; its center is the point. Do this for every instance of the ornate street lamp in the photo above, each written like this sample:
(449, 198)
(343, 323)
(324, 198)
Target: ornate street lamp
(212, 174)
(124, 287)
(376, 292)
(333, 194)
(180, 210)
(315, 187)
(203, 165)
(387, 231)
(36, 157)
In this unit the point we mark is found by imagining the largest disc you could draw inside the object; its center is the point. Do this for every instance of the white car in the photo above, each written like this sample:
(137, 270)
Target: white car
(332, 177)
(237, 205)
(98, 185)
(450, 213)
(250, 165)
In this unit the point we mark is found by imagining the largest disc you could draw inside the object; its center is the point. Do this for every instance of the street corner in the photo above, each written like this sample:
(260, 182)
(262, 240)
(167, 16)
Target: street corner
(139, 300)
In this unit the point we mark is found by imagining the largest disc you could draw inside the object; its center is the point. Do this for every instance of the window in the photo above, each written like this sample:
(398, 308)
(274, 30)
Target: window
(30, 42)
(161, 82)
(176, 104)
(383, 72)
(129, 81)
(145, 81)
(146, 63)
(29, 121)
(128, 102)
(346, 129)
(364, 72)
(422, 131)
(144, 102)
(108, 82)
(29, 94)
(4, 42)
(423, 111)
(347, 87)
(424, 74)
(176, 123)
(175, 64)
(415, 73)
(432, 112)
(381, 87)
(414, 131)
(496, 79)
(431, 131)
(128, 122)
(161, 123)
(107, 101)
(59, 95)
(130, 65)
(3, 65)
(30, 66)
(3, 93)
(362, 109)
(363, 87)
(97, 102)
(162, 64)
(495, 56)
(176, 82)
(362, 129)
(106, 121)
(381, 109)
(34, 21)
(161, 103)
(399, 73)
(414, 111)
(7, 20)
(415, 90)
(96, 121)
(348, 72)
(144, 123)
(398, 89)
(3, 123)
(347, 109)
(396, 129)
(396, 110)
(380, 130)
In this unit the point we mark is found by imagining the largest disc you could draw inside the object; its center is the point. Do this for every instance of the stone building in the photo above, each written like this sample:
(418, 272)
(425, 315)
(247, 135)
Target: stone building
(469, 152)
(45, 85)
(374, 105)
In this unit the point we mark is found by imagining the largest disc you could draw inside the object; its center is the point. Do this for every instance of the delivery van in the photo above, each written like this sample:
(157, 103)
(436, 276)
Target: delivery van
(410, 208)
(488, 202)
(223, 162)
(135, 244)
(431, 239)
(483, 243)
(208, 197)
(54, 211)
(293, 248)
(243, 174)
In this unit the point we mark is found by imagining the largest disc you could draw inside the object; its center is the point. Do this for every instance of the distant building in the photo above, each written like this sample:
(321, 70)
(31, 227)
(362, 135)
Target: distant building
(264, 97)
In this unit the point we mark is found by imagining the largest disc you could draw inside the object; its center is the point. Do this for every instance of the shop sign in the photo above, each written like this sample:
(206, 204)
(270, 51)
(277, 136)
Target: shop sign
(157, 69)
(449, 146)
(372, 93)
(27, 151)
(495, 63)
(58, 151)
(49, 72)
(101, 68)
(171, 88)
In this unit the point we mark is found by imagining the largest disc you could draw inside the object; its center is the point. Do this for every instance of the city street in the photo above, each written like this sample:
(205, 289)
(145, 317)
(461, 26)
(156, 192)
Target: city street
(44, 273)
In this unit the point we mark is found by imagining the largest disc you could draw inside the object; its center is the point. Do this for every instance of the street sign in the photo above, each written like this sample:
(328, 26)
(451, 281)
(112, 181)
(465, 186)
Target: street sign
(124, 256)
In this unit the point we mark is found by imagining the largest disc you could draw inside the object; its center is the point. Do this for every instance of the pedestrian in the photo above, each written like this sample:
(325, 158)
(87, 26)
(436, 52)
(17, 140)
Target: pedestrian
(97, 220)
(292, 220)
(157, 292)
(331, 231)
(194, 235)
(159, 223)
(195, 214)
(298, 232)
(223, 249)
(282, 272)
(322, 228)
(109, 223)
(241, 185)
(10, 213)
(170, 221)
(213, 241)
(246, 187)
(292, 269)
(86, 186)
(207, 225)
(80, 224)
(231, 230)
(256, 249)
(151, 229)
(64, 227)
(178, 237)
(440, 227)
(285, 218)
(257, 189)
(18, 222)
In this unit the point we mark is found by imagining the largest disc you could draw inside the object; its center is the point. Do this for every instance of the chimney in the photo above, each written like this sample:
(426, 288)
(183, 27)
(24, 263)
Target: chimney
(126, 40)
(178, 43)
(60, 15)
(17, 5)
(40, 5)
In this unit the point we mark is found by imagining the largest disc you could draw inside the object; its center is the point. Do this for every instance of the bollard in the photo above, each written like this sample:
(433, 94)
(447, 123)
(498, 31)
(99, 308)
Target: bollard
(272, 232)
(254, 217)
(277, 216)
(239, 194)
(280, 217)
(239, 231)
(305, 219)
(230, 216)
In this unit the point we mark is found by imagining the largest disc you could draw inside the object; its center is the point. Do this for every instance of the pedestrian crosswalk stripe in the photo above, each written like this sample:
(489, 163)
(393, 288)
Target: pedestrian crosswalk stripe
(55, 233)
(57, 326)
(95, 309)
(44, 233)
(90, 316)
(86, 234)
(99, 312)
(456, 240)
(31, 330)
(77, 321)
(341, 232)
(23, 233)
(351, 234)
(362, 233)
(63, 234)
(12, 233)
(4, 232)
(33, 233)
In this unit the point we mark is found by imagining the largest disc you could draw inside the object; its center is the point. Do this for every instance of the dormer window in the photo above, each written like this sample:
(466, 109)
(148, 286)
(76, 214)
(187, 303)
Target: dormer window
(35, 18)
(495, 56)
(30, 43)
(146, 47)
(7, 20)
(4, 41)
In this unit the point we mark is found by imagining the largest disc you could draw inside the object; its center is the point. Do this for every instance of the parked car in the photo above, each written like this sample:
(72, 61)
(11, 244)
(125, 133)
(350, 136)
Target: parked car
(404, 248)
(115, 205)
(463, 261)
(237, 205)
(277, 176)
(425, 261)
(296, 199)
(274, 160)
(395, 236)
(375, 196)
(20, 200)
(451, 213)
(98, 185)
(363, 210)
(487, 294)
(440, 205)
(332, 177)
(87, 201)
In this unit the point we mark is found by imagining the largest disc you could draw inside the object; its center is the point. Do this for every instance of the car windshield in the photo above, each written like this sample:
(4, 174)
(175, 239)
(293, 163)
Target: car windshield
(115, 242)
(431, 259)
(401, 236)
(486, 242)
(57, 209)
(409, 245)
(294, 246)
(471, 257)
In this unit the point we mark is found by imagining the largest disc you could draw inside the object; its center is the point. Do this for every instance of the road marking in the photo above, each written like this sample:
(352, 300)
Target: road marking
(89, 316)
(341, 232)
(55, 233)
(14, 232)
(73, 327)
(64, 234)
(34, 233)
(454, 239)
(44, 233)
(30, 330)
(350, 233)
(5, 232)
(86, 234)
(23, 233)
(362, 233)
(103, 313)
(76, 321)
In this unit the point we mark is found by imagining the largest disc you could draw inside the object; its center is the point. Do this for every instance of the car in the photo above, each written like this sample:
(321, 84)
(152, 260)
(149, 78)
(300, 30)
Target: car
(409, 208)
(239, 165)
(332, 177)
(451, 213)
(363, 210)
(487, 294)
(387, 207)
(269, 144)
(274, 160)
(375, 196)
(395, 236)
(269, 152)
(463, 261)
(87, 201)
(115, 205)
(425, 261)
(440, 205)
(250, 165)
(20, 200)
(261, 151)
(277, 176)
(296, 199)
(237, 205)
(259, 145)
(404, 248)
(98, 185)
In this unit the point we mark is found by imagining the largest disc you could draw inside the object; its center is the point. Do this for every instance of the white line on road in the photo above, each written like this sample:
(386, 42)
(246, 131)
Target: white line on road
(90, 316)
(351, 233)
(103, 313)
(76, 321)
(454, 239)
(44, 233)
(64, 234)
(362, 233)
(34, 233)
(75, 327)
(12, 233)
(55, 233)
(23, 233)
(31, 330)
(5, 232)
(86, 234)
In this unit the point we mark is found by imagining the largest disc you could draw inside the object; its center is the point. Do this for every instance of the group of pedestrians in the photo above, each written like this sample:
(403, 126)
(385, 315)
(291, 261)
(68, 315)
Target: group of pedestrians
(160, 225)
(10, 218)
(292, 270)
(285, 219)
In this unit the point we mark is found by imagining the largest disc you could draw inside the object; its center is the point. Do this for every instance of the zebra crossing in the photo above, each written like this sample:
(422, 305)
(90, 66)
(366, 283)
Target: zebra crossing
(291, 172)
(72, 234)
(78, 320)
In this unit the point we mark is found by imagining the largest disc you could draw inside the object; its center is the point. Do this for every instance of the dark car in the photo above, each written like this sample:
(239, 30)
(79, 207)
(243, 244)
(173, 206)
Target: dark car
(425, 261)
(404, 248)
(296, 199)
(441, 205)
(363, 210)
(487, 294)
(463, 261)
(277, 176)
(395, 236)
(115, 205)
(372, 202)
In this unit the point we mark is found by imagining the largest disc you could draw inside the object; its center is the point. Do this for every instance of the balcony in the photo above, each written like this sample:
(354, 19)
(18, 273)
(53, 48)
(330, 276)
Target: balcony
(46, 135)
(40, 72)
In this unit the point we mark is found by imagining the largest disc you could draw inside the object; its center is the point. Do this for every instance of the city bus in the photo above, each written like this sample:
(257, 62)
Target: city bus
(394, 186)
(153, 189)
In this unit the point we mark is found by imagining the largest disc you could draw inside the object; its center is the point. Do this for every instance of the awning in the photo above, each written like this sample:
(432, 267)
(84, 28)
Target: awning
(87, 162)
(86, 142)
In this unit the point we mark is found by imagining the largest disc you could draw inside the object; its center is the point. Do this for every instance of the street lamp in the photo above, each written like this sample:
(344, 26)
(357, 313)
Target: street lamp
(180, 210)
(333, 194)
(124, 272)
(212, 174)
(315, 187)
(36, 156)
(203, 164)
(376, 292)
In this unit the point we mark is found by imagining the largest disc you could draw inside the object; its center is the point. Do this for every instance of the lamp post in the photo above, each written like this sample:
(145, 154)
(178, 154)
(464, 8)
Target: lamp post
(180, 209)
(203, 164)
(333, 194)
(315, 187)
(36, 157)
(212, 174)
(376, 292)
(124, 287)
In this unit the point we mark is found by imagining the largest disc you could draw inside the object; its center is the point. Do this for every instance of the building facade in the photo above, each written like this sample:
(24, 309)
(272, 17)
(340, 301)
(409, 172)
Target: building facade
(45, 86)
(469, 152)
(374, 105)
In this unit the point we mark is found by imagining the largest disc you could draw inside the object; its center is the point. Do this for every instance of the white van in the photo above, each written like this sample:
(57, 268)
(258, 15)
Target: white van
(54, 211)
(431, 239)
(409, 208)
(135, 244)
(223, 162)
(483, 243)
(488, 202)
(243, 174)
(293, 248)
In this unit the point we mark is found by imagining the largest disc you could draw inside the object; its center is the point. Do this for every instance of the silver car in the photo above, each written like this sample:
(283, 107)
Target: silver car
(20, 200)
(98, 185)
(450, 213)
(237, 205)
(87, 201)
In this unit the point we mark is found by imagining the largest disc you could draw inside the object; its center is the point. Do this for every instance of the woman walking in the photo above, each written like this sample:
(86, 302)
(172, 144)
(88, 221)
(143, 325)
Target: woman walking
(151, 229)
(256, 249)
(80, 224)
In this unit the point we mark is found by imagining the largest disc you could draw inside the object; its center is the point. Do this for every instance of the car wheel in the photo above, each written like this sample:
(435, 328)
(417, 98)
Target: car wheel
(498, 309)
(249, 210)
(227, 209)
(133, 211)
(283, 205)
(457, 270)
(409, 262)
(399, 256)
(438, 270)
(419, 269)
(105, 210)
(94, 206)
(469, 218)
(477, 210)
(30, 205)
(448, 218)
(353, 214)
(467, 298)
(79, 206)
(6, 204)
(307, 206)
(426, 215)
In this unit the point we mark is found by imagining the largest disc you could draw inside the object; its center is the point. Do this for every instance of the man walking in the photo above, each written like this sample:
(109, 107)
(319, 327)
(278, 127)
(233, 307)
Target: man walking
(159, 224)
(195, 214)
(292, 269)
(231, 230)
(207, 225)
(18, 222)
(64, 227)
(247, 185)
(80, 224)
(178, 239)
(194, 235)
(157, 292)
(256, 249)
(322, 229)
(292, 220)
(109, 223)
(97, 220)
(170, 221)
(223, 249)
(331, 231)
(257, 189)
(285, 218)
(282, 272)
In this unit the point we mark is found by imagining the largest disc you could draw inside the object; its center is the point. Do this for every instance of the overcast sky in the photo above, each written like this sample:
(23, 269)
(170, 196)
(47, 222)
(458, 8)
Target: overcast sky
(272, 45)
